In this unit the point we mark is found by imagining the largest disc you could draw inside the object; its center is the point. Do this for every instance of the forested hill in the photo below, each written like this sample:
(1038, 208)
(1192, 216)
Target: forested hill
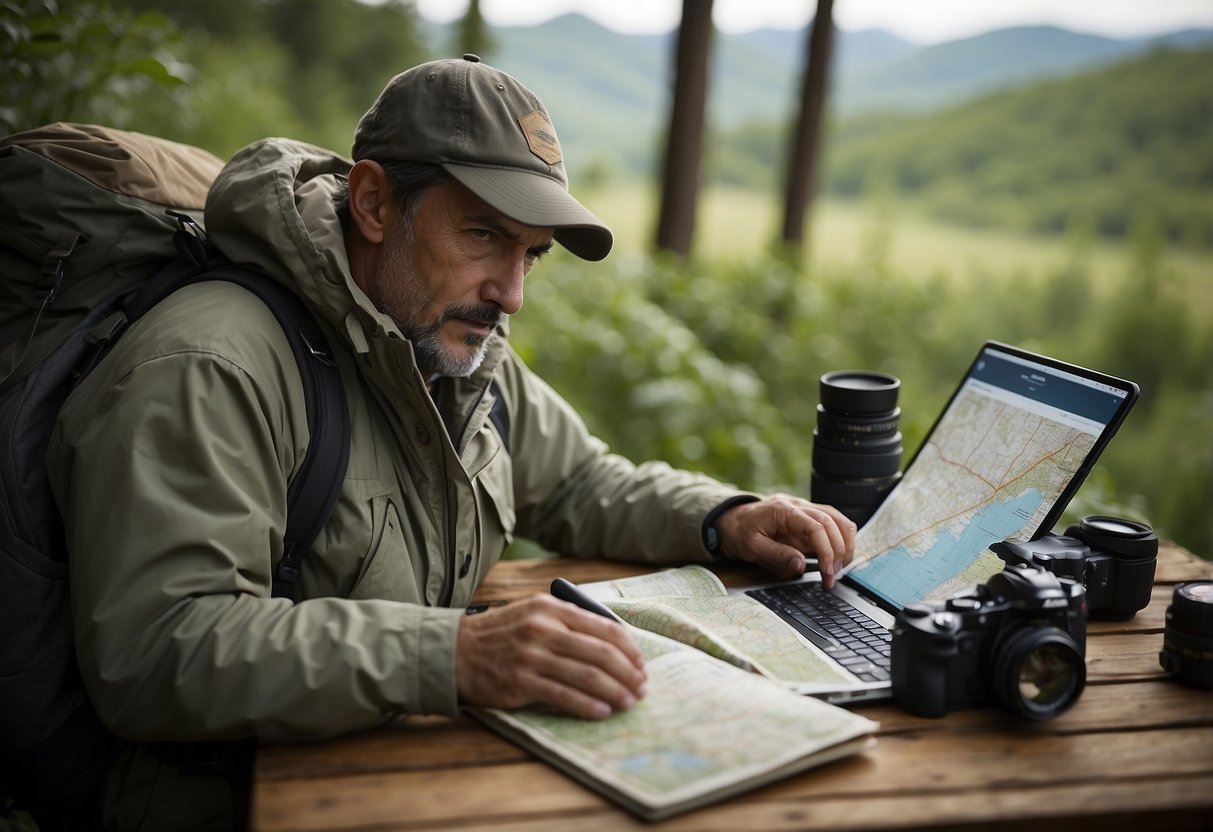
(1100, 149)
(609, 92)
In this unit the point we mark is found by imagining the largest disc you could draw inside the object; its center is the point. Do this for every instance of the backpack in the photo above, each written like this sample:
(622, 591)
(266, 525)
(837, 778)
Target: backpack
(96, 226)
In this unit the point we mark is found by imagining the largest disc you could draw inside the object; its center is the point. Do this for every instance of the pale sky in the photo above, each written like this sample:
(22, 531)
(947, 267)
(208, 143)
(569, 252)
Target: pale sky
(924, 21)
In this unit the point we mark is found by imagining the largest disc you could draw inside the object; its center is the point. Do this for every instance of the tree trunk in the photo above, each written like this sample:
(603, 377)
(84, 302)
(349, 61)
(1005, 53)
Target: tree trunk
(684, 145)
(474, 36)
(806, 144)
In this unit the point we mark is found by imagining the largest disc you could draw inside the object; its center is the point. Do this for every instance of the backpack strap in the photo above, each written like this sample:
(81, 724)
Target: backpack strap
(499, 415)
(50, 280)
(313, 491)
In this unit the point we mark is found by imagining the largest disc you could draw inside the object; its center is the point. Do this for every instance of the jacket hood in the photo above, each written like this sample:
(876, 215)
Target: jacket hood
(271, 207)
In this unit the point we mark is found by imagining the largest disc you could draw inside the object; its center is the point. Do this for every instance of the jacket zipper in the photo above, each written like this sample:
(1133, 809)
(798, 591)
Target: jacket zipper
(454, 567)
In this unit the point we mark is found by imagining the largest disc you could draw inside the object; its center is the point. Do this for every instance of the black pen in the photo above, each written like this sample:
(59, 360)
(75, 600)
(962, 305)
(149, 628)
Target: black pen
(566, 591)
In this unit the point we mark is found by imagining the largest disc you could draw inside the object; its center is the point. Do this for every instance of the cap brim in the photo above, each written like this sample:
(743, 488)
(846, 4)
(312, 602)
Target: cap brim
(538, 201)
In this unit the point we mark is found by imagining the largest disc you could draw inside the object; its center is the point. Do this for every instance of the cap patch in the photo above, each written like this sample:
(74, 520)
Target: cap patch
(540, 136)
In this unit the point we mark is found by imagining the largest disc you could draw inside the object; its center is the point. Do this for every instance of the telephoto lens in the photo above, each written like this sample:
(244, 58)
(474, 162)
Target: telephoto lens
(856, 444)
(1187, 645)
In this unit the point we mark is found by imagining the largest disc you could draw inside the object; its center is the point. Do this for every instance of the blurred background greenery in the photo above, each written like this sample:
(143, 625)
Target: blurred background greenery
(1071, 215)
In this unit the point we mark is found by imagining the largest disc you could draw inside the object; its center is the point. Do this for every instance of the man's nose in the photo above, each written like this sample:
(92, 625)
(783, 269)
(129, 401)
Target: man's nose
(505, 289)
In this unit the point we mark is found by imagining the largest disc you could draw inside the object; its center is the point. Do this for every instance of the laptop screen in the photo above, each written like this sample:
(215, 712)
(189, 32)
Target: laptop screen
(1008, 452)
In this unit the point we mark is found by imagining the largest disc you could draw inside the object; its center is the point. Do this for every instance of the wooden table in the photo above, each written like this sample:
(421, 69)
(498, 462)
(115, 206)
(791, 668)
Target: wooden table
(1135, 752)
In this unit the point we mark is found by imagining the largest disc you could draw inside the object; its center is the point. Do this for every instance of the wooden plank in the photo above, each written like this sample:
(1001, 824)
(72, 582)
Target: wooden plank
(1122, 658)
(412, 744)
(1175, 564)
(1140, 705)
(967, 777)
(432, 743)
(414, 798)
(1112, 808)
(429, 742)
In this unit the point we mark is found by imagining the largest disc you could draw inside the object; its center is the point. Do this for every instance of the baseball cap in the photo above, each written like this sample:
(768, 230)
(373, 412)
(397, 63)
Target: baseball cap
(492, 135)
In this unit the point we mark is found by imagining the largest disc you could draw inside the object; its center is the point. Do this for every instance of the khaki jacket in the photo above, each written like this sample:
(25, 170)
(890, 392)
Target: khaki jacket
(170, 464)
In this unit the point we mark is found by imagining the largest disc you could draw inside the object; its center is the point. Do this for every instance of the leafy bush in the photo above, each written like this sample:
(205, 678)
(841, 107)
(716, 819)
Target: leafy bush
(714, 367)
(91, 63)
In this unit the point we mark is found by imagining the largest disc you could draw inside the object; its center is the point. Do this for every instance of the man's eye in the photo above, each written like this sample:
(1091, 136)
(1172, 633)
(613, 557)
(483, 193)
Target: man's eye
(482, 234)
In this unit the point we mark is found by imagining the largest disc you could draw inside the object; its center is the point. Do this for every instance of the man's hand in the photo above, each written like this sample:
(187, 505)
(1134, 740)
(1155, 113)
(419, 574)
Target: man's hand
(777, 533)
(548, 652)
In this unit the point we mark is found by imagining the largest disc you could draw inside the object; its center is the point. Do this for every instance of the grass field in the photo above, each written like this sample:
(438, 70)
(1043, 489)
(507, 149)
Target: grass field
(735, 223)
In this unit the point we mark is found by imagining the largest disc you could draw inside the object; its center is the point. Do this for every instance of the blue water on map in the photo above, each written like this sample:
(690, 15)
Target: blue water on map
(900, 577)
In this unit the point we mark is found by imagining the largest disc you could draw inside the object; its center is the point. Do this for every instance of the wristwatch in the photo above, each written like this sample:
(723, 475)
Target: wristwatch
(708, 533)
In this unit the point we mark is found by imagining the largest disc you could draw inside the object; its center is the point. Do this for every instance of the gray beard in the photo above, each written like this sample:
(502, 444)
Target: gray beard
(404, 309)
(430, 353)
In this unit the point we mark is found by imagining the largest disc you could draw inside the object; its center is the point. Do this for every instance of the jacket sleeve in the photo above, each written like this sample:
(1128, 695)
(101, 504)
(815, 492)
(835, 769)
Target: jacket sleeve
(170, 470)
(575, 497)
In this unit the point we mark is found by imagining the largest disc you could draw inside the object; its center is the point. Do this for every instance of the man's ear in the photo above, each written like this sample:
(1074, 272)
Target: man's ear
(370, 199)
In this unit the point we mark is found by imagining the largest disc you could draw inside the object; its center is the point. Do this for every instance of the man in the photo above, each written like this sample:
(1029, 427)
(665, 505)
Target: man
(171, 461)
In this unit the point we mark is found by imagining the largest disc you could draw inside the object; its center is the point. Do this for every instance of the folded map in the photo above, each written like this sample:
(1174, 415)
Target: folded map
(712, 725)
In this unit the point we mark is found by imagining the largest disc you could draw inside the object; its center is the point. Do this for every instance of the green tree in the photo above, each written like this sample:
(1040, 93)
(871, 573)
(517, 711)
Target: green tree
(473, 34)
(87, 63)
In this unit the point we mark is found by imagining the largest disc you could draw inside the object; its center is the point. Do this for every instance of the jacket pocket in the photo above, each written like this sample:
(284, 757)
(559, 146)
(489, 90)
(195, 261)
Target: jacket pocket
(497, 483)
(386, 571)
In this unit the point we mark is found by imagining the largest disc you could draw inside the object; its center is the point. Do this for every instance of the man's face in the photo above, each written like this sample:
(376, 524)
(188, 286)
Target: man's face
(448, 277)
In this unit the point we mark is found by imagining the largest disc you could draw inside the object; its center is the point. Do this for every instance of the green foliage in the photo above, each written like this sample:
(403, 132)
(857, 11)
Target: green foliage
(714, 366)
(1095, 150)
(89, 63)
(474, 34)
(218, 74)
(234, 100)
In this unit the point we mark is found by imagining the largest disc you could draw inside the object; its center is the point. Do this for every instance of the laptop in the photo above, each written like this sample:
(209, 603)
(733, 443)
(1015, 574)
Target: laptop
(1011, 447)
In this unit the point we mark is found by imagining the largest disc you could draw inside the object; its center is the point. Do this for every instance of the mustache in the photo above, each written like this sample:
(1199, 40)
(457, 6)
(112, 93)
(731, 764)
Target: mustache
(485, 313)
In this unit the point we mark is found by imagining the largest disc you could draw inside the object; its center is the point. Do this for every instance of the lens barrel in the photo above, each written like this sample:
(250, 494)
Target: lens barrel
(1187, 647)
(857, 446)
(1038, 671)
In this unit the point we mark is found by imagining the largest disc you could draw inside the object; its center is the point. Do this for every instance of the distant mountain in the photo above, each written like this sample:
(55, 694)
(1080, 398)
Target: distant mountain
(853, 51)
(609, 93)
(950, 72)
(1117, 148)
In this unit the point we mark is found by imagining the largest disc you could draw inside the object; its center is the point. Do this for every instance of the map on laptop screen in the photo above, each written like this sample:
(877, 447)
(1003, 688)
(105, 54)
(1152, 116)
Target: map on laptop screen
(1000, 463)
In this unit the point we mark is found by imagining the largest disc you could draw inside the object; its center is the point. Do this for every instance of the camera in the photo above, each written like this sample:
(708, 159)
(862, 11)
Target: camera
(856, 444)
(1018, 641)
(1113, 558)
(1187, 641)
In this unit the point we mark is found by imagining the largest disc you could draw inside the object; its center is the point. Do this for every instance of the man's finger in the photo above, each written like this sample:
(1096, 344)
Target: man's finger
(603, 629)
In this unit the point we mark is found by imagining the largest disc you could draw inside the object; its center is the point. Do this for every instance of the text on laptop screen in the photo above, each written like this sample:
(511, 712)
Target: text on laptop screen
(993, 467)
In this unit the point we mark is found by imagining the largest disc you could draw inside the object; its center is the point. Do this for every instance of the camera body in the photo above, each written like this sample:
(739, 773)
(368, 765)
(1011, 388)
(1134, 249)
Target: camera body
(1019, 640)
(1113, 558)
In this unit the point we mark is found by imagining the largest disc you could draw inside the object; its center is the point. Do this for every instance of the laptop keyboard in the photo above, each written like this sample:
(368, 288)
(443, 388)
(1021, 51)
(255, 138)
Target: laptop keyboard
(855, 641)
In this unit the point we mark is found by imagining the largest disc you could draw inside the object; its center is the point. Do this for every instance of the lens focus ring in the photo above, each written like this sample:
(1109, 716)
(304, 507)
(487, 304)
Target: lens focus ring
(836, 424)
(1037, 671)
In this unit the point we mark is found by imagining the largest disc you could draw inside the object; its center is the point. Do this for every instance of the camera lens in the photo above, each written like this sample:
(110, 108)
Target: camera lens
(1187, 647)
(856, 445)
(1113, 525)
(1125, 539)
(1038, 671)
